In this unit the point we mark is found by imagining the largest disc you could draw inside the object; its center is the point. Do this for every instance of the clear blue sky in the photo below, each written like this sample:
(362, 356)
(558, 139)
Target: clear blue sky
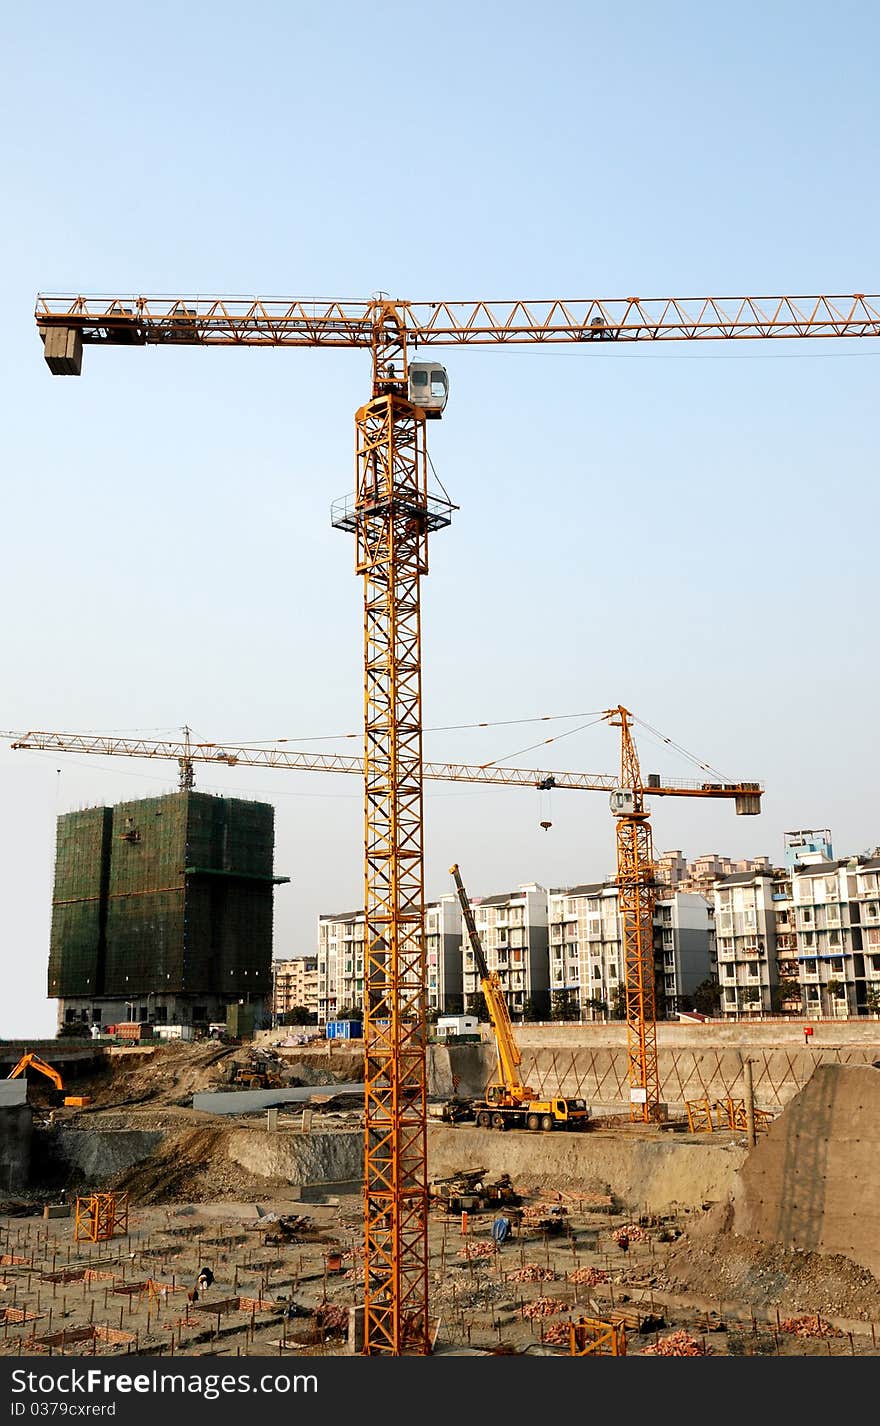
(688, 531)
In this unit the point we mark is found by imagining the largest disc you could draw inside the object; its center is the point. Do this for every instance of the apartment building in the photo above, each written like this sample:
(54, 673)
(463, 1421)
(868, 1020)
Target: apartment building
(340, 963)
(745, 931)
(295, 983)
(340, 959)
(838, 935)
(699, 876)
(443, 954)
(684, 946)
(586, 948)
(804, 939)
(586, 964)
(513, 933)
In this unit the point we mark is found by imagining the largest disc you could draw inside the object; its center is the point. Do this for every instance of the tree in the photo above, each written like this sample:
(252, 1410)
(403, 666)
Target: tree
(348, 1012)
(563, 1005)
(598, 1007)
(536, 1007)
(476, 1005)
(618, 1002)
(298, 1015)
(786, 988)
(872, 1000)
(706, 997)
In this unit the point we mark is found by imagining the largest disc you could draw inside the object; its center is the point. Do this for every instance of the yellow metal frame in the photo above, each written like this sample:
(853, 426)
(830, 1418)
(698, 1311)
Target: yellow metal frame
(590, 1337)
(636, 900)
(706, 1115)
(100, 1216)
(391, 522)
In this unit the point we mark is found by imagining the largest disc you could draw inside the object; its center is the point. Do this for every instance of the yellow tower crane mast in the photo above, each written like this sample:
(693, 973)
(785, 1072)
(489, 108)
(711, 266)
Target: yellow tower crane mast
(391, 515)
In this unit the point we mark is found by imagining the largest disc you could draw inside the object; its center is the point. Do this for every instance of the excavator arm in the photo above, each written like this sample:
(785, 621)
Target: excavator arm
(31, 1061)
(509, 1058)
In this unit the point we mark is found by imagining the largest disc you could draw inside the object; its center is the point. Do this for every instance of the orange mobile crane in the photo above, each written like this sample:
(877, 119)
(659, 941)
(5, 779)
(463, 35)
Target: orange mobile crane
(391, 516)
(510, 1104)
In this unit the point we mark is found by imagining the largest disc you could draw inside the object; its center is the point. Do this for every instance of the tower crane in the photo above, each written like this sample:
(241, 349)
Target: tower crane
(391, 515)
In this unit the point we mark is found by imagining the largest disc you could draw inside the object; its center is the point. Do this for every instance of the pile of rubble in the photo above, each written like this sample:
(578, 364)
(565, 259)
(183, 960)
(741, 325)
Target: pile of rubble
(678, 1344)
(558, 1334)
(809, 1327)
(477, 1250)
(544, 1307)
(631, 1232)
(530, 1272)
(588, 1277)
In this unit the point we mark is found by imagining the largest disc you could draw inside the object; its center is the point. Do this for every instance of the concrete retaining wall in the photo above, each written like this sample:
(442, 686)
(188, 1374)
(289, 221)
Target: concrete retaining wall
(596, 1071)
(16, 1127)
(657, 1174)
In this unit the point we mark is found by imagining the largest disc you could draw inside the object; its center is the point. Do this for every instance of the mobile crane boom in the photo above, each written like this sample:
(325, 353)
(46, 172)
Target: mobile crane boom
(508, 1055)
(509, 1104)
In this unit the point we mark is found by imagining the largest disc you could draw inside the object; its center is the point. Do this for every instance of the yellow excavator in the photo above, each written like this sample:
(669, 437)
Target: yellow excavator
(508, 1102)
(32, 1061)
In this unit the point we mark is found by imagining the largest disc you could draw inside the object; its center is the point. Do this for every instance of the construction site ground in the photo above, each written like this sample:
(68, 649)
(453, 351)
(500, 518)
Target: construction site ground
(689, 1283)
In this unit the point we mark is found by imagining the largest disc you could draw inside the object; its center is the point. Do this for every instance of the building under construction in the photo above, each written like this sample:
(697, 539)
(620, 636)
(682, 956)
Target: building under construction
(162, 911)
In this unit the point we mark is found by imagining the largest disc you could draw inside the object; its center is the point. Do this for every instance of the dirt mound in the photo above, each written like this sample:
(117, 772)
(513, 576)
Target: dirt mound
(193, 1166)
(169, 1074)
(734, 1269)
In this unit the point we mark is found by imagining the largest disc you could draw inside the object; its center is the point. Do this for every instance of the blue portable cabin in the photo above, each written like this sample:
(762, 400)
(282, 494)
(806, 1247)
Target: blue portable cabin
(345, 1030)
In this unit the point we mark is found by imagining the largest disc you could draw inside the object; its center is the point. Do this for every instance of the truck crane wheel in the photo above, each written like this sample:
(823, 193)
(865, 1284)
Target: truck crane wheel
(533, 1122)
(499, 1121)
(546, 1121)
(484, 1119)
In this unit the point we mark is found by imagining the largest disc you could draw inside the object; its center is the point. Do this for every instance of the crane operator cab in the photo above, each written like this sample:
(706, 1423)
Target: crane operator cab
(428, 387)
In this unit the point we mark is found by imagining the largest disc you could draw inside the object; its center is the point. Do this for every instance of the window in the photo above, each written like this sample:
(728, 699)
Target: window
(837, 965)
